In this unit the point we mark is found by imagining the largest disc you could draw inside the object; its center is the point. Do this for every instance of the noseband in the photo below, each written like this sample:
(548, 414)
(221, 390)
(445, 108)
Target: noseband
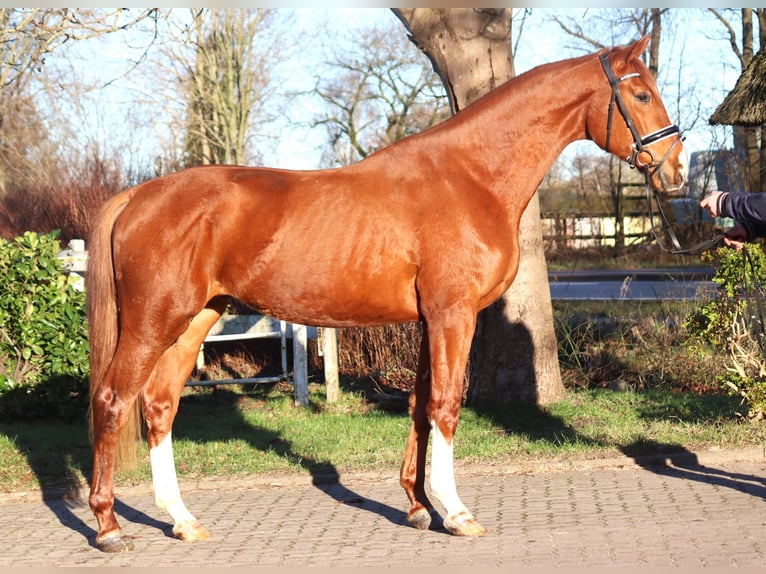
(641, 149)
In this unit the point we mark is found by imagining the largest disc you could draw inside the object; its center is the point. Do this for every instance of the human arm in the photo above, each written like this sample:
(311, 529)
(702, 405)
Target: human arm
(747, 209)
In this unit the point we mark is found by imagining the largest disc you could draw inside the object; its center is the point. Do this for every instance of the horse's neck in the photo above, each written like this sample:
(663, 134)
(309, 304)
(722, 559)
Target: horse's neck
(521, 128)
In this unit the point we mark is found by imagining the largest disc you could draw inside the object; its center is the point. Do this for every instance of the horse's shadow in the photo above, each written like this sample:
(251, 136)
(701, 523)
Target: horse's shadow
(68, 507)
(324, 475)
(67, 500)
(526, 419)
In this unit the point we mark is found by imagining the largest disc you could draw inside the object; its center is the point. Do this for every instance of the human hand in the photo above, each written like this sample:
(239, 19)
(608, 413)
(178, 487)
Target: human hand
(735, 237)
(710, 203)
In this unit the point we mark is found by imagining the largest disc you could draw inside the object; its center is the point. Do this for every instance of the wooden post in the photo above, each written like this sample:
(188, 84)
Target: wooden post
(283, 346)
(330, 357)
(300, 365)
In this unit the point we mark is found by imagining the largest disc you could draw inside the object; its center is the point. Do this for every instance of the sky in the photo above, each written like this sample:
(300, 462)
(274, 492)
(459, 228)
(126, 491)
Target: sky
(691, 58)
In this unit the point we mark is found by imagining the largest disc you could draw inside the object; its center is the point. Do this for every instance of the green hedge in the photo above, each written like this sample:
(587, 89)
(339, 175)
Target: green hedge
(43, 332)
(735, 322)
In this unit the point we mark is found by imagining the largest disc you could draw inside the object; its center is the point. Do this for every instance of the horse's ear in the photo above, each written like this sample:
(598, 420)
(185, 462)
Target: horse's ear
(626, 54)
(638, 48)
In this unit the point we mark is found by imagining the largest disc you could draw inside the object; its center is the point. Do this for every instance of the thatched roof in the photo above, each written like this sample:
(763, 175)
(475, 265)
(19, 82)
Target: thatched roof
(746, 103)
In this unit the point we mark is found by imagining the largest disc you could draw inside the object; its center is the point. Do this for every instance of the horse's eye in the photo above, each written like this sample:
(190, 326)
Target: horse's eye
(643, 97)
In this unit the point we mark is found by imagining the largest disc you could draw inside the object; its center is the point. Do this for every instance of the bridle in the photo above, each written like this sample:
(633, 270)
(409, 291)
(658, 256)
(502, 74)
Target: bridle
(641, 144)
(641, 149)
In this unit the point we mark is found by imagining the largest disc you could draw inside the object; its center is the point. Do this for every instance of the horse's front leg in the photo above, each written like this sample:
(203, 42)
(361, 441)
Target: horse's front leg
(450, 335)
(161, 398)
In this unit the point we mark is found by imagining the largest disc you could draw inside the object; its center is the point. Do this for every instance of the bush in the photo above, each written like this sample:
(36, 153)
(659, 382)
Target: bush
(734, 322)
(387, 353)
(628, 345)
(43, 331)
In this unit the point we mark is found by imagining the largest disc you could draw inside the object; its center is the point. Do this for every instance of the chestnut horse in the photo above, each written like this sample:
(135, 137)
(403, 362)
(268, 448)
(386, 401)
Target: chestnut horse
(423, 230)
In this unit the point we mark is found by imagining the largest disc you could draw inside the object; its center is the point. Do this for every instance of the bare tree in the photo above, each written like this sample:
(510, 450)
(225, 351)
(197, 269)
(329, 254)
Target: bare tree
(47, 181)
(514, 357)
(27, 35)
(223, 60)
(377, 95)
(25, 149)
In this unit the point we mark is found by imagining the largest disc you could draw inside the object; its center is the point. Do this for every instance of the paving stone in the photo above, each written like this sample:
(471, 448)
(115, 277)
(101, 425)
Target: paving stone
(707, 513)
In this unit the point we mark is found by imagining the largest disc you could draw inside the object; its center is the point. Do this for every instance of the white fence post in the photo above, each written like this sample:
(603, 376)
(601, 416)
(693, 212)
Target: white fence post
(300, 365)
(74, 259)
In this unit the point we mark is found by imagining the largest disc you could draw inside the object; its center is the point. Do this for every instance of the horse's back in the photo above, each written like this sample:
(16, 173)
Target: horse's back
(313, 246)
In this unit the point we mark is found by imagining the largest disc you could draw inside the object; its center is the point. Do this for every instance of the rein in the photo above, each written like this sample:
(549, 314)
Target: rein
(641, 146)
(695, 249)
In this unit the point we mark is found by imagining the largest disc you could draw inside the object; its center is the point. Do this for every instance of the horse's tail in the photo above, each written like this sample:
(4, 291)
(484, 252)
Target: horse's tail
(102, 320)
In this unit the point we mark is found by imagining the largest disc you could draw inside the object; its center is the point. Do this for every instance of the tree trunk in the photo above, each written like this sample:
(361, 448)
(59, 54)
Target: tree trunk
(761, 19)
(514, 357)
(749, 135)
(654, 45)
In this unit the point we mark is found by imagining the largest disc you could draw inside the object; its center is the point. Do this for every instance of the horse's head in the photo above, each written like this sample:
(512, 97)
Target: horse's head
(632, 122)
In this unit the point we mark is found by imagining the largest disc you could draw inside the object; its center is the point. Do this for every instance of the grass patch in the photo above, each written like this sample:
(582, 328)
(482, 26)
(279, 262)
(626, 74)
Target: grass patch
(673, 404)
(230, 432)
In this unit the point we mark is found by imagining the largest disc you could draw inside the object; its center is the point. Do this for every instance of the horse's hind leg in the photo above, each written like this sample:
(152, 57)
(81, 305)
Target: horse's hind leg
(413, 472)
(160, 404)
(111, 406)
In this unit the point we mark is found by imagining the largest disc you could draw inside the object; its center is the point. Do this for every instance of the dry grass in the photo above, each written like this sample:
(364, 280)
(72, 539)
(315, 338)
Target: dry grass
(387, 355)
(622, 344)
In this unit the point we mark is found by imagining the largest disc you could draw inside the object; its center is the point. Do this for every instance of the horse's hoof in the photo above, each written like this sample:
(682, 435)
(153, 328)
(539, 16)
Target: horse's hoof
(464, 525)
(420, 519)
(113, 543)
(190, 531)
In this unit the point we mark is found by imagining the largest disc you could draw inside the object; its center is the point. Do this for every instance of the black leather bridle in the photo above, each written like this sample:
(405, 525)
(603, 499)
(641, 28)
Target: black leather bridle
(641, 149)
(640, 143)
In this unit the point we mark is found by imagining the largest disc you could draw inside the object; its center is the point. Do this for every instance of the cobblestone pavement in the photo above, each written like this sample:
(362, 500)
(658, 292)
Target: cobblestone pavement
(692, 510)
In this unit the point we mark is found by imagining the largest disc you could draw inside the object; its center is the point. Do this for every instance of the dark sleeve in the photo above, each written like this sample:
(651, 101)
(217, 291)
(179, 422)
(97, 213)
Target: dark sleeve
(748, 209)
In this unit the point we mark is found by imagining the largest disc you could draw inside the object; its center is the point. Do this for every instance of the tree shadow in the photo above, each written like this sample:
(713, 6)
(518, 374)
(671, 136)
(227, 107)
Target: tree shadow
(677, 461)
(512, 402)
(526, 418)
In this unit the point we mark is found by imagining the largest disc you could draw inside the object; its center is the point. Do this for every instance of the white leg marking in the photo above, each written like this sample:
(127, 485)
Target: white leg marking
(167, 495)
(443, 473)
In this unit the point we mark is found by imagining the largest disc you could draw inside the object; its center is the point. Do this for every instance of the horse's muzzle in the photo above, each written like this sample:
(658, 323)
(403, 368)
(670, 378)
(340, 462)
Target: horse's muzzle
(668, 175)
